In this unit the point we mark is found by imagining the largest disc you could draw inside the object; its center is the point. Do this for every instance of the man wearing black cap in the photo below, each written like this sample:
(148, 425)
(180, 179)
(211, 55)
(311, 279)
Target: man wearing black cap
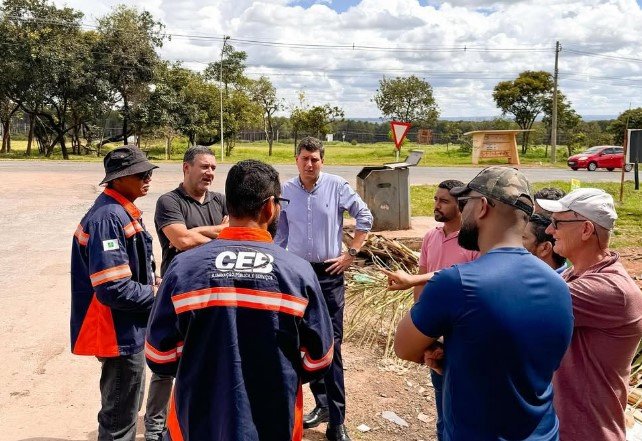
(112, 290)
(506, 320)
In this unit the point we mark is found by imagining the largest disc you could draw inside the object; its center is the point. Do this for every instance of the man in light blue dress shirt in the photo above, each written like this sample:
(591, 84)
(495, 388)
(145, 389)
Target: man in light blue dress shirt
(311, 226)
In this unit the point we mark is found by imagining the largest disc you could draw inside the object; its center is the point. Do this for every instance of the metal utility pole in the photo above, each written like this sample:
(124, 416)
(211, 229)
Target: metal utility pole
(220, 79)
(554, 113)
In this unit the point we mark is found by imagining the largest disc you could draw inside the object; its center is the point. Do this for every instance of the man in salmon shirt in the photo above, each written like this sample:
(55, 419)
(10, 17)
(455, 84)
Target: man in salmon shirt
(439, 250)
(591, 384)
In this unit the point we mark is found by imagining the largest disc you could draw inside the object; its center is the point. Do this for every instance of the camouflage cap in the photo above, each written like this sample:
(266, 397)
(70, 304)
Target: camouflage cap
(504, 184)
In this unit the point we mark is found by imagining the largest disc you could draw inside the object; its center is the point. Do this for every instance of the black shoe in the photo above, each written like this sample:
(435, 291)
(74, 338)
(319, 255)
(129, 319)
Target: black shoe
(317, 416)
(337, 433)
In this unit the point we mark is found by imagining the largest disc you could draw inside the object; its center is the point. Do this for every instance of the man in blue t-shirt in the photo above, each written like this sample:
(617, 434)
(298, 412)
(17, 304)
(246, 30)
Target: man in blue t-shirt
(506, 319)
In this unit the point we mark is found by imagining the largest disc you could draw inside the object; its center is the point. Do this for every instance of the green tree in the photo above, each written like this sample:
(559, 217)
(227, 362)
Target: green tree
(319, 119)
(129, 40)
(264, 94)
(239, 111)
(54, 64)
(407, 99)
(525, 98)
(568, 121)
(162, 111)
(629, 119)
(233, 67)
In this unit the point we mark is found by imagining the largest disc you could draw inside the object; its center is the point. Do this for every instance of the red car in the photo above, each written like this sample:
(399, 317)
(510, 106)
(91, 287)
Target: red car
(609, 157)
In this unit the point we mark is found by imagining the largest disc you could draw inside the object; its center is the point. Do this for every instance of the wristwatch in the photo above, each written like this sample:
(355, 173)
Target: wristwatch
(353, 252)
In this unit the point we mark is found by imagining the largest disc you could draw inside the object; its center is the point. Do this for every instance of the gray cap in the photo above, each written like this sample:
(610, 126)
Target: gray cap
(504, 184)
(125, 161)
(594, 204)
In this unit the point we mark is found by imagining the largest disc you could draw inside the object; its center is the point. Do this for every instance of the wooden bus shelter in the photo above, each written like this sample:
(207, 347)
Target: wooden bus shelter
(491, 144)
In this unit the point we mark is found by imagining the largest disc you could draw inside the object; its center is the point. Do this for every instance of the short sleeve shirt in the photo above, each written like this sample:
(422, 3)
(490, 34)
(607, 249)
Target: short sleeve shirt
(507, 320)
(591, 385)
(177, 207)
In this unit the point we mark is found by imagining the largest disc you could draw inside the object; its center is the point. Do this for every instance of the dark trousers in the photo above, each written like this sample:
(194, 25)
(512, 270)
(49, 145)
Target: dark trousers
(121, 394)
(330, 391)
(438, 385)
(160, 389)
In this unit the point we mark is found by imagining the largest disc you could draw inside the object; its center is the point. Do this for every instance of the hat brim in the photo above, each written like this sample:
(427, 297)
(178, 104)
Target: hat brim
(459, 191)
(133, 169)
(552, 206)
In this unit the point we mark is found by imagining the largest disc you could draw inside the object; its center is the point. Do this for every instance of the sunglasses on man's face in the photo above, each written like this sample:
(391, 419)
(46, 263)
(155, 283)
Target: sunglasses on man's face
(143, 176)
(555, 223)
(283, 202)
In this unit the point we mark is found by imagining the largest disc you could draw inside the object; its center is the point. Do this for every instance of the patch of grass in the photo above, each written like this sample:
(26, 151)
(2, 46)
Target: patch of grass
(337, 153)
(628, 228)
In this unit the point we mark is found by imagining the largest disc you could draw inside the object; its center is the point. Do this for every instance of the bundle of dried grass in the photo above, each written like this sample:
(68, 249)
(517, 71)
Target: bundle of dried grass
(373, 311)
(385, 252)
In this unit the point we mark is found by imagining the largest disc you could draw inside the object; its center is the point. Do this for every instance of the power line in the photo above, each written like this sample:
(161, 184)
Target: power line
(609, 57)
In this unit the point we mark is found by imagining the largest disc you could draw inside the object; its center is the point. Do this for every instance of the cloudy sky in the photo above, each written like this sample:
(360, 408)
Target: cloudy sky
(336, 51)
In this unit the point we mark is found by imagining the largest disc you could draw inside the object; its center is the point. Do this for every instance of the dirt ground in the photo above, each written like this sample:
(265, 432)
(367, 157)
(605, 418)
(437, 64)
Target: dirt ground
(49, 395)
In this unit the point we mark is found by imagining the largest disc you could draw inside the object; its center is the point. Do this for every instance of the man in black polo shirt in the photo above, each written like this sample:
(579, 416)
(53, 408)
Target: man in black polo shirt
(186, 217)
(190, 215)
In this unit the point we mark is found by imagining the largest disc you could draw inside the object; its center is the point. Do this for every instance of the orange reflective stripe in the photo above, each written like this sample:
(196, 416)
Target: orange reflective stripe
(297, 430)
(239, 297)
(83, 238)
(311, 365)
(110, 274)
(132, 228)
(173, 425)
(162, 357)
(126, 203)
(97, 335)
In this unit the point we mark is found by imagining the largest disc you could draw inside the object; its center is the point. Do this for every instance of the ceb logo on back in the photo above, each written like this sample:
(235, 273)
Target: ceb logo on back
(244, 261)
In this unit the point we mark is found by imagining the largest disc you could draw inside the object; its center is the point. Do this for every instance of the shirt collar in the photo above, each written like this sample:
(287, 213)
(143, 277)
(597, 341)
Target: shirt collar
(245, 233)
(452, 235)
(126, 203)
(609, 259)
(181, 190)
(314, 187)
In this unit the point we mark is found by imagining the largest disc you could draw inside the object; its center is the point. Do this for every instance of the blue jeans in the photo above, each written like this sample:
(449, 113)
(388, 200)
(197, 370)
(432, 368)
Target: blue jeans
(438, 384)
(121, 395)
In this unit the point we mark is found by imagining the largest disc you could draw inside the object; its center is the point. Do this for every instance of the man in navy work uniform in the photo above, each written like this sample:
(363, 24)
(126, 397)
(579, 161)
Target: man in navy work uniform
(186, 217)
(312, 228)
(112, 290)
(241, 323)
(506, 319)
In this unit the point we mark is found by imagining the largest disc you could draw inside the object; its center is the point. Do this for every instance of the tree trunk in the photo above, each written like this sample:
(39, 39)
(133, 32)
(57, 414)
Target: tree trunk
(295, 140)
(5, 136)
(63, 146)
(168, 147)
(125, 119)
(32, 123)
(269, 134)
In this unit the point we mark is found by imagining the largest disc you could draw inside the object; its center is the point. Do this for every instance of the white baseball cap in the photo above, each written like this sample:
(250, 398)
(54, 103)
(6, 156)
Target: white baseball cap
(594, 204)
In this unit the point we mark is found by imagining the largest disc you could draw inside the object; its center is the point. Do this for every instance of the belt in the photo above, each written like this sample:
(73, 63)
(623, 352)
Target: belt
(320, 266)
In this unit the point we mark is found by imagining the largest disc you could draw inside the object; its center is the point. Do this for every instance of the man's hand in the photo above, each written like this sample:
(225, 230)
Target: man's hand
(156, 285)
(398, 280)
(339, 264)
(434, 357)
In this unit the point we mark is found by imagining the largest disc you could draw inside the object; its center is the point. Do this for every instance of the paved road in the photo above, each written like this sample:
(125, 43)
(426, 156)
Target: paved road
(418, 175)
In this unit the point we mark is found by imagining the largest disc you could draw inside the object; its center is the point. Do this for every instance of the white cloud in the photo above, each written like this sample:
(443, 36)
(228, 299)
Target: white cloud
(445, 42)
